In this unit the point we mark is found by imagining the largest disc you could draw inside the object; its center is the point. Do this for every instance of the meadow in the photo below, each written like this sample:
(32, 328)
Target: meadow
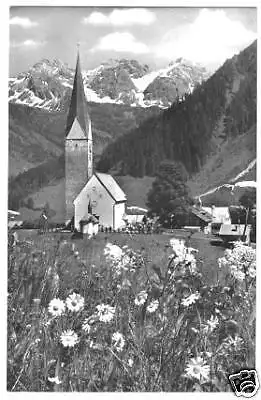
(120, 312)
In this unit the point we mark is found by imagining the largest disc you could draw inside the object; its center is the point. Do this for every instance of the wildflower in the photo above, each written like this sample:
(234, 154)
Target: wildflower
(113, 252)
(69, 338)
(153, 306)
(190, 299)
(118, 341)
(141, 298)
(105, 312)
(178, 247)
(75, 302)
(197, 368)
(237, 342)
(189, 258)
(236, 273)
(130, 362)
(241, 261)
(85, 275)
(56, 307)
(252, 270)
(211, 324)
(55, 380)
(85, 326)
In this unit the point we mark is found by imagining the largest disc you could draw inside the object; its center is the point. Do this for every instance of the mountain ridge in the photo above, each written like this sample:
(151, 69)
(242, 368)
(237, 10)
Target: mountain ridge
(48, 83)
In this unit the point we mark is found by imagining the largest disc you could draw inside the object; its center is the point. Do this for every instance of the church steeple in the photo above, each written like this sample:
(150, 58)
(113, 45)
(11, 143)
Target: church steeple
(78, 144)
(78, 105)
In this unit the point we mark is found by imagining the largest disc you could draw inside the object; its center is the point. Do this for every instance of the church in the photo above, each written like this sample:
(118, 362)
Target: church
(87, 193)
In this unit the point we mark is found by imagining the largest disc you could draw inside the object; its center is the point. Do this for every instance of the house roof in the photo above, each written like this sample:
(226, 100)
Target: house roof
(111, 186)
(78, 105)
(202, 214)
(233, 229)
(219, 214)
(133, 210)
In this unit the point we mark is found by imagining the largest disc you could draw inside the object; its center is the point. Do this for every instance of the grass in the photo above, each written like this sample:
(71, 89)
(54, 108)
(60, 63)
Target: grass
(136, 317)
(154, 247)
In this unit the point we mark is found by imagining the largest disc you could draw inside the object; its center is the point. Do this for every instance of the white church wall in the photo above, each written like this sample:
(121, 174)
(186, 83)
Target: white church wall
(101, 201)
(119, 213)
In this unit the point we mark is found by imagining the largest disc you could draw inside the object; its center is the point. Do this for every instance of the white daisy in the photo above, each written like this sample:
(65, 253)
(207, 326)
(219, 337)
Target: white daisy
(197, 368)
(105, 312)
(153, 306)
(141, 298)
(237, 342)
(69, 338)
(211, 324)
(118, 341)
(75, 302)
(190, 299)
(55, 380)
(56, 307)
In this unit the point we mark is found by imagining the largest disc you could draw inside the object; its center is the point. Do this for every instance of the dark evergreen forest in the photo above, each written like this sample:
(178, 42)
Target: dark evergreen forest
(188, 130)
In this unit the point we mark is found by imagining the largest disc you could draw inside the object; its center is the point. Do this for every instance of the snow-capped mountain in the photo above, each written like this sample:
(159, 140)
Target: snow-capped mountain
(48, 84)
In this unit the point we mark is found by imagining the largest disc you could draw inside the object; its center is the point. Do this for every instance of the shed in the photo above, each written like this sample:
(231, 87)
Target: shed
(135, 214)
(234, 232)
(89, 225)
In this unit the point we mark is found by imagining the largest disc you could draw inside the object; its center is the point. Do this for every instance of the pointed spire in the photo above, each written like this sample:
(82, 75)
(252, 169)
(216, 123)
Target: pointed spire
(78, 105)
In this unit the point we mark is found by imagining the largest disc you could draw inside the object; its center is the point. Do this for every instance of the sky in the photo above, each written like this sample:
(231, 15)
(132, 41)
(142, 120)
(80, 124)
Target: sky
(155, 36)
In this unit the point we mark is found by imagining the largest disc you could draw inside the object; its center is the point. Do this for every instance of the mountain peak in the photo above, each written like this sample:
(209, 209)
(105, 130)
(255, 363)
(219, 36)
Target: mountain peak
(49, 82)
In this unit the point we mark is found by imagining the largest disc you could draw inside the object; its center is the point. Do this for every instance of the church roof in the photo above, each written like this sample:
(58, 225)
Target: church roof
(108, 183)
(112, 186)
(78, 105)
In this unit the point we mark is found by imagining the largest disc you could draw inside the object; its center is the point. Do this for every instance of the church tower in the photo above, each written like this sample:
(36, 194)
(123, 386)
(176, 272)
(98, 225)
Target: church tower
(78, 144)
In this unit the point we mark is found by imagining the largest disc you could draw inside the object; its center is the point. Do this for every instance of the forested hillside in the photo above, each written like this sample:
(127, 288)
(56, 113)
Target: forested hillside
(222, 108)
(36, 136)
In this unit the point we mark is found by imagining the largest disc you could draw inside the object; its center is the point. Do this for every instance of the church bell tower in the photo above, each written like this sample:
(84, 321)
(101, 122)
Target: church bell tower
(78, 144)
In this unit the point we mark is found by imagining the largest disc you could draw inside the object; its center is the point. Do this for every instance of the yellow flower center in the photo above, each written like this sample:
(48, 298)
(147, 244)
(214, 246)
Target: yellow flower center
(196, 370)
